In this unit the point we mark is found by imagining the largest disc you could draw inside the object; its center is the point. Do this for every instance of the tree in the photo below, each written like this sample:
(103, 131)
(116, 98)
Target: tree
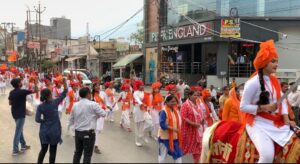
(138, 37)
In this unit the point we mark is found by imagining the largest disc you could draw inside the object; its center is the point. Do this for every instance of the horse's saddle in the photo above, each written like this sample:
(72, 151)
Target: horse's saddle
(230, 143)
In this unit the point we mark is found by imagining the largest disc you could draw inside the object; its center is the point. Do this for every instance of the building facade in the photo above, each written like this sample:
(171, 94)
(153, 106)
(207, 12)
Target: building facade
(190, 39)
(60, 28)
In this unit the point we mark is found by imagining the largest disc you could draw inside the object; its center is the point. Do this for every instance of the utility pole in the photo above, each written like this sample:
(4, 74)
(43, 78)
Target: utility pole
(5, 26)
(12, 35)
(5, 30)
(39, 12)
(158, 4)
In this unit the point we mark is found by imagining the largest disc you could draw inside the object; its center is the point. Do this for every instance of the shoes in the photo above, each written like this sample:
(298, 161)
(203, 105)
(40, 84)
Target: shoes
(25, 148)
(97, 150)
(155, 138)
(121, 125)
(17, 153)
(138, 144)
(146, 140)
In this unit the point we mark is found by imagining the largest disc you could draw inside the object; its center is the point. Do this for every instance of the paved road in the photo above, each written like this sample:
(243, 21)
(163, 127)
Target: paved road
(116, 145)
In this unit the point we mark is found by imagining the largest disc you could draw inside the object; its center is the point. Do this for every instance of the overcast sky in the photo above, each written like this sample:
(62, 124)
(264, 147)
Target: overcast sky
(101, 15)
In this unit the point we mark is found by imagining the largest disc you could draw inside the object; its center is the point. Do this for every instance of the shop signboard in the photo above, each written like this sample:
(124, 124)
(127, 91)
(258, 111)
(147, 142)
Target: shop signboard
(230, 28)
(183, 32)
(33, 44)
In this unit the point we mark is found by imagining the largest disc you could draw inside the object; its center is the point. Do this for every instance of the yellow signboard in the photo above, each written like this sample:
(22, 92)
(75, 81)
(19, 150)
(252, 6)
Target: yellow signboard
(230, 28)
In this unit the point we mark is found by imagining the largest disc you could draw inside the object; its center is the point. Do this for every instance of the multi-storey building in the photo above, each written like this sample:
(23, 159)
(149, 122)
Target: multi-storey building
(191, 44)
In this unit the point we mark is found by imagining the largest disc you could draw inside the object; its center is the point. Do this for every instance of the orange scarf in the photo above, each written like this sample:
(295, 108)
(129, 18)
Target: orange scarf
(157, 101)
(208, 118)
(277, 118)
(126, 101)
(146, 102)
(170, 124)
(72, 100)
(110, 94)
(99, 100)
(236, 102)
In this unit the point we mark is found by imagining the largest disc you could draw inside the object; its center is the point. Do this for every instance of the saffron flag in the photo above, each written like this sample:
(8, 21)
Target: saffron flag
(12, 57)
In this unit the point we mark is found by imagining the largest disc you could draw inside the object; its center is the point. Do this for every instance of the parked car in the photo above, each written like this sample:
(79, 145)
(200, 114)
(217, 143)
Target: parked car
(85, 80)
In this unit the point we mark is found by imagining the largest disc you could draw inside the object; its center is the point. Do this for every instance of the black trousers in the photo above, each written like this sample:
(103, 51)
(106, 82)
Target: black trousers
(43, 152)
(84, 142)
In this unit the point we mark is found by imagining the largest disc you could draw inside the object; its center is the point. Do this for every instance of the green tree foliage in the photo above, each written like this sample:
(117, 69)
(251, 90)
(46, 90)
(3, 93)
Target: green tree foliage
(138, 36)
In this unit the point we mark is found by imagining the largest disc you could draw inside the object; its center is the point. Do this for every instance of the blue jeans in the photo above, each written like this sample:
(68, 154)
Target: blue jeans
(19, 138)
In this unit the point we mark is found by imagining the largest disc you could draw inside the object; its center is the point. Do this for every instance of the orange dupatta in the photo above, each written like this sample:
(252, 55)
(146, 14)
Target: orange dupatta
(170, 124)
(72, 100)
(146, 102)
(99, 100)
(110, 94)
(208, 118)
(277, 118)
(157, 101)
(126, 101)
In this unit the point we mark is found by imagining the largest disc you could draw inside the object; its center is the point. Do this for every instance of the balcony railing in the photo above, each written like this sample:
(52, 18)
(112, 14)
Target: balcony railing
(181, 67)
(241, 70)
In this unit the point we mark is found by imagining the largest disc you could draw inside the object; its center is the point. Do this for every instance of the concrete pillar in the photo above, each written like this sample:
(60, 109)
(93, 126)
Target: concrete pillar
(222, 58)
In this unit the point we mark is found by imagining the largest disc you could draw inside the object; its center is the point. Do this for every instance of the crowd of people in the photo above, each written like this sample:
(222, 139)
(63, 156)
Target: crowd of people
(176, 121)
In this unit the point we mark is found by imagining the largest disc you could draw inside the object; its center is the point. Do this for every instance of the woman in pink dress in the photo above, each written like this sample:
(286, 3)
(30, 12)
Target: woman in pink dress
(192, 126)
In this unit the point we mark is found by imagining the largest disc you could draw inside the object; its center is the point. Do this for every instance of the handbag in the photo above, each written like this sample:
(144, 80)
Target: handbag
(29, 109)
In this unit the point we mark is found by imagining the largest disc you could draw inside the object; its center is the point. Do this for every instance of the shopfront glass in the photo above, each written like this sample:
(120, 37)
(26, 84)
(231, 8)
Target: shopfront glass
(260, 8)
(242, 55)
(203, 10)
(195, 9)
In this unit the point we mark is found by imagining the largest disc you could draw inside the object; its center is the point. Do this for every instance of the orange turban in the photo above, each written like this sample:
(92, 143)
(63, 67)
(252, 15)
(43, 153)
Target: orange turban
(107, 84)
(137, 84)
(196, 88)
(125, 87)
(127, 81)
(170, 87)
(74, 84)
(156, 85)
(265, 55)
(205, 93)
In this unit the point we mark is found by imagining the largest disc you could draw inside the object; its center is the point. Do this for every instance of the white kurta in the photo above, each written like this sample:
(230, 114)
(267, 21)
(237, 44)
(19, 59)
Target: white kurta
(138, 113)
(213, 113)
(248, 104)
(2, 82)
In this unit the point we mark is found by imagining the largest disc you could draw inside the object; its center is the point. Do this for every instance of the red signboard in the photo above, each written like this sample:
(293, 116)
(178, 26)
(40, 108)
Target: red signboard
(33, 45)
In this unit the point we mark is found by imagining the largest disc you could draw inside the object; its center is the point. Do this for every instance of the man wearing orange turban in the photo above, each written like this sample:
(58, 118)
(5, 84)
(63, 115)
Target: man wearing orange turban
(265, 55)
(157, 103)
(141, 104)
(266, 121)
(125, 98)
(206, 104)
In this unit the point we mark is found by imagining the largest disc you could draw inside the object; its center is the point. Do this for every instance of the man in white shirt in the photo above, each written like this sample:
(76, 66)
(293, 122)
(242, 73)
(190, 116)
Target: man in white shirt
(84, 117)
(181, 87)
(213, 92)
(294, 100)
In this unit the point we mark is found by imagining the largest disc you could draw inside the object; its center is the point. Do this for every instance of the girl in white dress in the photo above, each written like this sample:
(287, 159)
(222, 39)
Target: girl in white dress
(267, 121)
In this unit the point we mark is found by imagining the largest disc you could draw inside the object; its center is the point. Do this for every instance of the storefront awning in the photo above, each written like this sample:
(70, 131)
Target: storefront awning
(126, 60)
(73, 58)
